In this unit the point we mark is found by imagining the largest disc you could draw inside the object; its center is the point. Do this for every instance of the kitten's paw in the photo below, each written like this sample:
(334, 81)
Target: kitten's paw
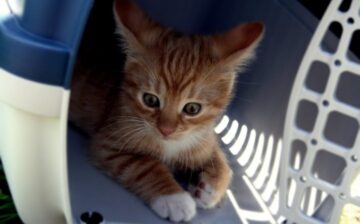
(177, 207)
(209, 190)
(205, 195)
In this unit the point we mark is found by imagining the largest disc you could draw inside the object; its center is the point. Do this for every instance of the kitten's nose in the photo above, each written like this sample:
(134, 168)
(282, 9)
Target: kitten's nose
(166, 131)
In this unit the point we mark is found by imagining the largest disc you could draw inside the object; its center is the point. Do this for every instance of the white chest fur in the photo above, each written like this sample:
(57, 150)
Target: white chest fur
(172, 147)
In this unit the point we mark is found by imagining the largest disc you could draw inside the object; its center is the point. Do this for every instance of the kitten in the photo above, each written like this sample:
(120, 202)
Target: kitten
(160, 117)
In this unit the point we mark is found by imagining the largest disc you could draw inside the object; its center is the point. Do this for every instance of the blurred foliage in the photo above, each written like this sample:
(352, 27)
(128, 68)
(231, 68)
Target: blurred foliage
(350, 215)
(8, 214)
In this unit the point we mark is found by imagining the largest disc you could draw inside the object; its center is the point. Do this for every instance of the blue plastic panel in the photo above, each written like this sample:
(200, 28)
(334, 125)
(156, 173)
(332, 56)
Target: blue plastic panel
(202, 16)
(30, 56)
(41, 43)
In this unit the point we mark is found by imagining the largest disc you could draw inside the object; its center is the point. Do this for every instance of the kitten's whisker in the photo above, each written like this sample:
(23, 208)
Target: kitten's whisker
(130, 130)
(116, 123)
(148, 124)
(126, 129)
(130, 136)
(136, 140)
(128, 117)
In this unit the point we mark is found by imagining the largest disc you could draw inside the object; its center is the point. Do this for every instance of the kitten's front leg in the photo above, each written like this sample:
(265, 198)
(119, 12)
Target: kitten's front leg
(214, 180)
(150, 179)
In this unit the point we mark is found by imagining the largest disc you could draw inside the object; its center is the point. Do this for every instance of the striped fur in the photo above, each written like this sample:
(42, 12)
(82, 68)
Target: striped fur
(126, 141)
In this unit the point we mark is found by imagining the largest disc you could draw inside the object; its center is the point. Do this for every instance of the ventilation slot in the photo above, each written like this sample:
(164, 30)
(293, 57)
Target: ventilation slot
(271, 186)
(265, 166)
(348, 89)
(354, 49)
(222, 124)
(328, 167)
(341, 129)
(91, 218)
(306, 115)
(291, 192)
(249, 149)
(345, 6)
(317, 204)
(240, 140)
(317, 77)
(355, 186)
(297, 154)
(257, 159)
(230, 135)
(332, 37)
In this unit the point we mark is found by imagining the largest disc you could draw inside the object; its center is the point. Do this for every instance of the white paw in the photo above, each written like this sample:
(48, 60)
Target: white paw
(205, 195)
(177, 207)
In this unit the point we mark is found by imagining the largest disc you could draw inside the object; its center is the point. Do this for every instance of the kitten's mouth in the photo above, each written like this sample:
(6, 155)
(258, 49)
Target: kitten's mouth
(167, 137)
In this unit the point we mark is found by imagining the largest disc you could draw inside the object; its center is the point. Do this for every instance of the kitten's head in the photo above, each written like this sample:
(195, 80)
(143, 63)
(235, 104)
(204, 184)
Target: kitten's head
(178, 83)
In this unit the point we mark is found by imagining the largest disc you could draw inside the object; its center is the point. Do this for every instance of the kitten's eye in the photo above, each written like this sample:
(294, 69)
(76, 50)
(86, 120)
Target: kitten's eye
(192, 109)
(151, 100)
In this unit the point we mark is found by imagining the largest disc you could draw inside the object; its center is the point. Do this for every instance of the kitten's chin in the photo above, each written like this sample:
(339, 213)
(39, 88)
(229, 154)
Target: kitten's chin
(173, 137)
(173, 145)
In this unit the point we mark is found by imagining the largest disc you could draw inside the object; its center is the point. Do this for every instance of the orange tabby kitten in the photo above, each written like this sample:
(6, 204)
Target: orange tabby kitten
(161, 117)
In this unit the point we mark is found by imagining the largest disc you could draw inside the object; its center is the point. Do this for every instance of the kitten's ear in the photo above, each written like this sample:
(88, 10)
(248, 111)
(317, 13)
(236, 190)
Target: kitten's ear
(133, 24)
(237, 45)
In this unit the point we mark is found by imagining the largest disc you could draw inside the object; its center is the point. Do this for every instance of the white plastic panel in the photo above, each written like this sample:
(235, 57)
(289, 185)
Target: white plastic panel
(33, 153)
(30, 96)
(326, 122)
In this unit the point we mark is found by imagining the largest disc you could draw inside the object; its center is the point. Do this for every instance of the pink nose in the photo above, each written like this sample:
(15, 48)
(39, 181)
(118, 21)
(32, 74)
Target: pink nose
(166, 131)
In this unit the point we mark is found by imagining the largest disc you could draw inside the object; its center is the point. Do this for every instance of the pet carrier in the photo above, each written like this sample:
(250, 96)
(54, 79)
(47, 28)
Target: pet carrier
(291, 131)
